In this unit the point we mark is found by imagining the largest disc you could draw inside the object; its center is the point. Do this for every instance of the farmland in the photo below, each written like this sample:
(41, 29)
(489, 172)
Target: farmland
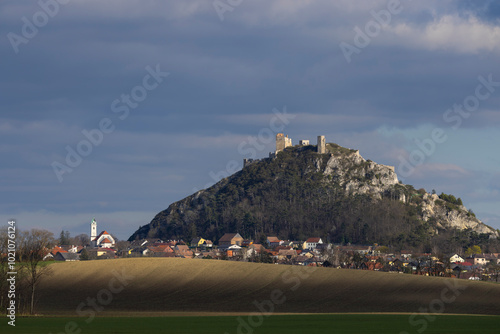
(145, 285)
(289, 324)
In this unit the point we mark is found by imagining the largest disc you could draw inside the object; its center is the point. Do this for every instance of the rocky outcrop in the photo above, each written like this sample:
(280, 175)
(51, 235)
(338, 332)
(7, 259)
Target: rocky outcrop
(448, 217)
(359, 176)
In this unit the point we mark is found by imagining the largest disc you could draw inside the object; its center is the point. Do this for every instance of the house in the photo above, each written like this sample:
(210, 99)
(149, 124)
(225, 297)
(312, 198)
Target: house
(139, 251)
(229, 239)
(363, 250)
(52, 253)
(300, 260)
(197, 242)
(312, 261)
(71, 248)
(233, 250)
(307, 254)
(162, 250)
(254, 249)
(273, 242)
(406, 254)
(456, 258)
(286, 254)
(207, 244)
(182, 251)
(466, 265)
(142, 242)
(101, 252)
(478, 260)
(67, 256)
(492, 258)
(311, 243)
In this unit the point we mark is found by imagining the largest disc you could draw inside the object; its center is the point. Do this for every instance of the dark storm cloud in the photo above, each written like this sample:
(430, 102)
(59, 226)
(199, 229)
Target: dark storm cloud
(225, 79)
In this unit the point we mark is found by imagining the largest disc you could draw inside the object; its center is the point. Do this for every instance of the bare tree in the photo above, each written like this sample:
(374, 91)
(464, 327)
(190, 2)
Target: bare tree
(494, 269)
(33, 245)
(3, 266)
(81, 240)
(122, 245)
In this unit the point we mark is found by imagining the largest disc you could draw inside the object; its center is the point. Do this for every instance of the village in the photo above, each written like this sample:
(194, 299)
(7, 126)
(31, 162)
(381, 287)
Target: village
(312, 252)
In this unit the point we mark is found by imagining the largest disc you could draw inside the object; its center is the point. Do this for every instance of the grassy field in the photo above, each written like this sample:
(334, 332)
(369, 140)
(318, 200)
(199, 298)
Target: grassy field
(143, 285)
(276, 324)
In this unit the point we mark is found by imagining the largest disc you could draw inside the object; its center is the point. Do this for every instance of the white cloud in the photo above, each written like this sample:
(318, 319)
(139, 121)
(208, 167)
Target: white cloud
(448, 32)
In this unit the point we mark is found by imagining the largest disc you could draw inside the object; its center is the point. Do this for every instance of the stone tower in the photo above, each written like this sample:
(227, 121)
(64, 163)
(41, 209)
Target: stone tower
(321, 145)
(282, 142)
(93, 230)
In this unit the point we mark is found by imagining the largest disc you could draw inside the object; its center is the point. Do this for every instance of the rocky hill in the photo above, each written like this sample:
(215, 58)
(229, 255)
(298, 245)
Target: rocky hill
(339, 196)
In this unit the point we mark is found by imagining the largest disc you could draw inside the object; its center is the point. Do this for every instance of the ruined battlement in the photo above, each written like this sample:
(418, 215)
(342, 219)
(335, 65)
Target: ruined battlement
(282, 142)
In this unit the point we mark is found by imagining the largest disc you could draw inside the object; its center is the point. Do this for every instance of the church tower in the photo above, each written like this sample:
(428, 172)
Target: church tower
(93, 231)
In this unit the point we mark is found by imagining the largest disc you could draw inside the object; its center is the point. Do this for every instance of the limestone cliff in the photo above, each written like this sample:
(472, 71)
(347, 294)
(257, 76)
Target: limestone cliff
(447, 216)
(359, 176)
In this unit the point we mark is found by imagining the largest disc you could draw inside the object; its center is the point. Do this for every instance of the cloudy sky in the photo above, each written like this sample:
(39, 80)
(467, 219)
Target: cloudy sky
(115, 109)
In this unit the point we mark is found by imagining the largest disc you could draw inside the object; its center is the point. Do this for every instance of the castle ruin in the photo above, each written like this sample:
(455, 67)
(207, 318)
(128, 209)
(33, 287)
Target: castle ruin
(321, 145)
(282, 142)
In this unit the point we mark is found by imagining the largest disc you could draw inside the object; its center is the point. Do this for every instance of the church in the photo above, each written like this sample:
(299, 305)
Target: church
(104, 239)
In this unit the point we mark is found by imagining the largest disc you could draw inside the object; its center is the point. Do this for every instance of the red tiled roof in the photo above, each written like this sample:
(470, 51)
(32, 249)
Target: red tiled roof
(57, 249)
(106, 240)
(464, 263)
(161, 248)
(101, 234)
(316, 240)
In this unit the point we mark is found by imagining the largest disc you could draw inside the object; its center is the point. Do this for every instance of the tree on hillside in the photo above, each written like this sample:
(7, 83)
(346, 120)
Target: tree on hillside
(84, 255)
(473, 250)
(64, 238)
(81, 240)
(33, 245)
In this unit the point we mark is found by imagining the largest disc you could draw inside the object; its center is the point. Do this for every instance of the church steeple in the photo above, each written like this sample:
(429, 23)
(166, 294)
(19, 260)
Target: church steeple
(93, 230)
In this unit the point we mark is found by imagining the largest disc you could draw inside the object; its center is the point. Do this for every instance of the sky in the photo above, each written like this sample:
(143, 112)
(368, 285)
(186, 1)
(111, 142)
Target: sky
(116, 109)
